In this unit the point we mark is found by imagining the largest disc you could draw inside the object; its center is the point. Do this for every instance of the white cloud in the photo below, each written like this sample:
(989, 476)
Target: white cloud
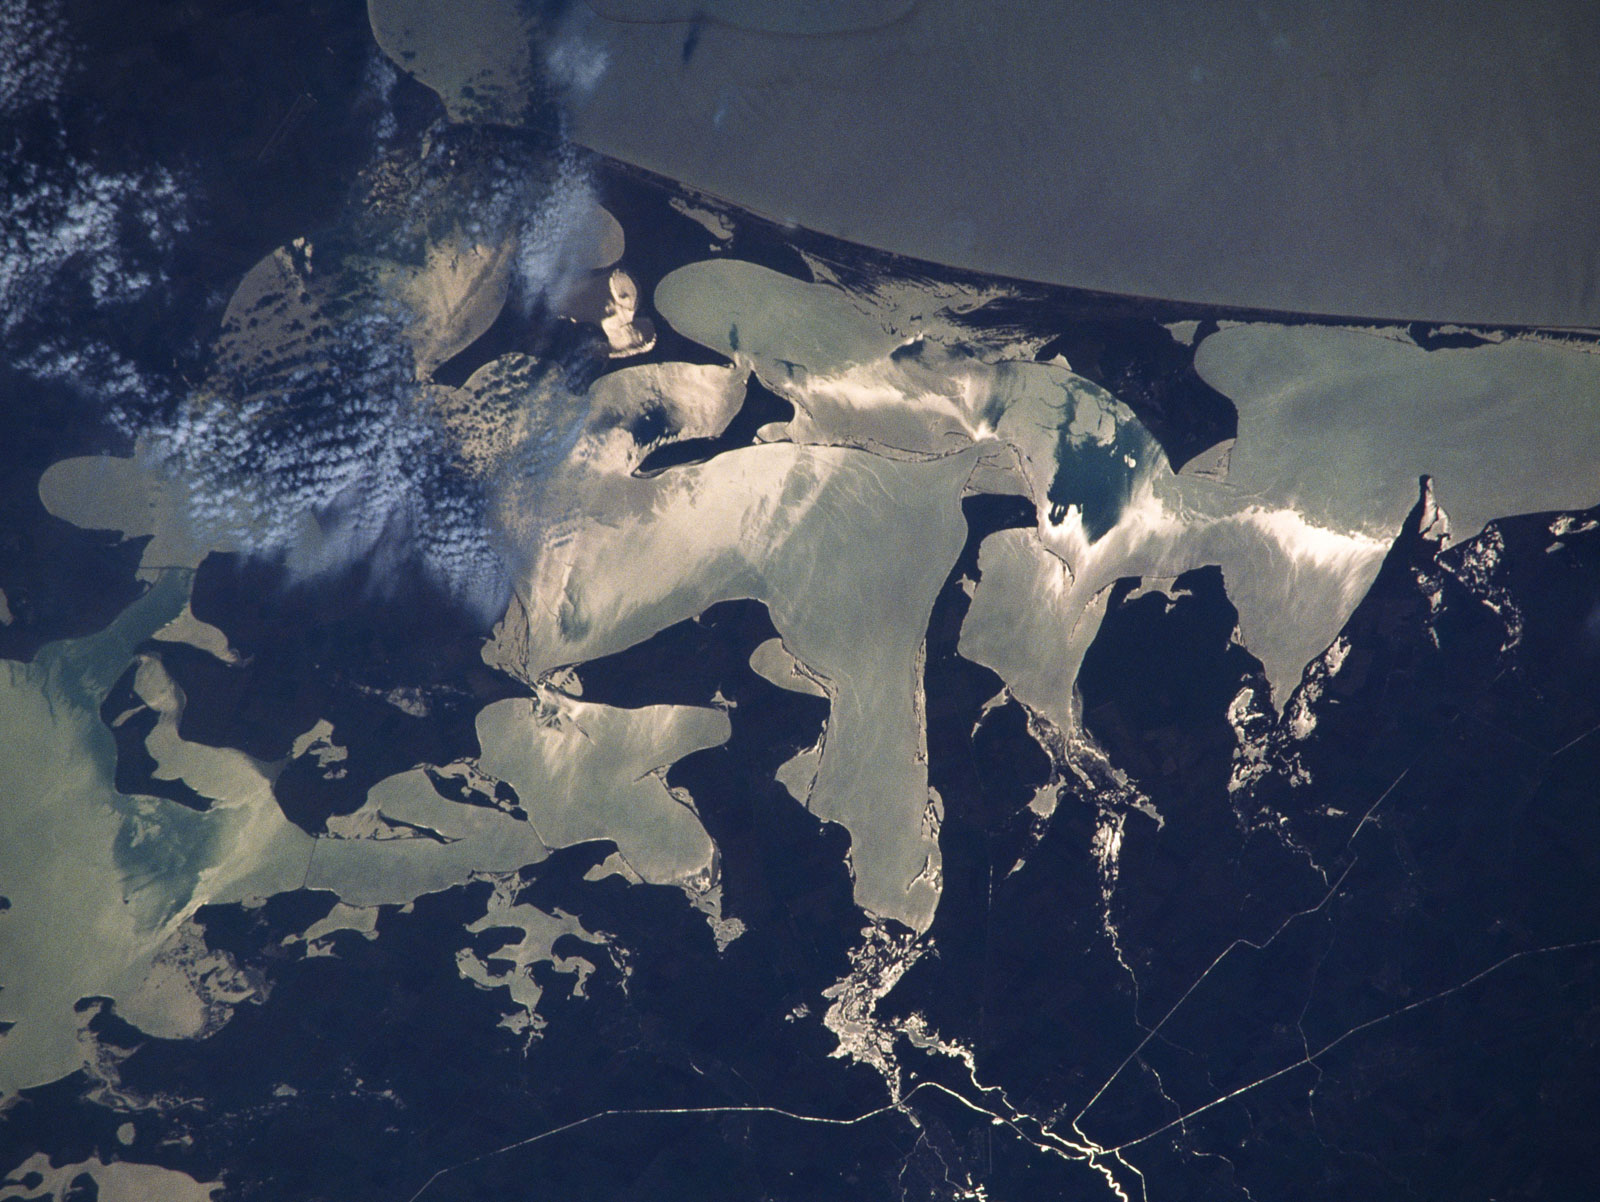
(323, 447)
(574, 62)
(34, 54)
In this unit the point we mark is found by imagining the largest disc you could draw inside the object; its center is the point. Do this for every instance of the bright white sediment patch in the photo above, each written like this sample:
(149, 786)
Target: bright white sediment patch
(845, 522)
(586, 771)
(846, 549)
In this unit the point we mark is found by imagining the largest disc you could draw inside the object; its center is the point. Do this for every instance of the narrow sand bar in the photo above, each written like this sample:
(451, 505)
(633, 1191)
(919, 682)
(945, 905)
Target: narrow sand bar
(1432, 162)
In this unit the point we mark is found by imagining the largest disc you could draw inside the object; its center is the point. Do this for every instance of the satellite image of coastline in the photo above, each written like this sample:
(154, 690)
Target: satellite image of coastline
(799, 601)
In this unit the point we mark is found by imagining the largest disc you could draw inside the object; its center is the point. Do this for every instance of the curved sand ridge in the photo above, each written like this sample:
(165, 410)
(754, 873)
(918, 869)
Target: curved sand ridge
(1373, 161)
